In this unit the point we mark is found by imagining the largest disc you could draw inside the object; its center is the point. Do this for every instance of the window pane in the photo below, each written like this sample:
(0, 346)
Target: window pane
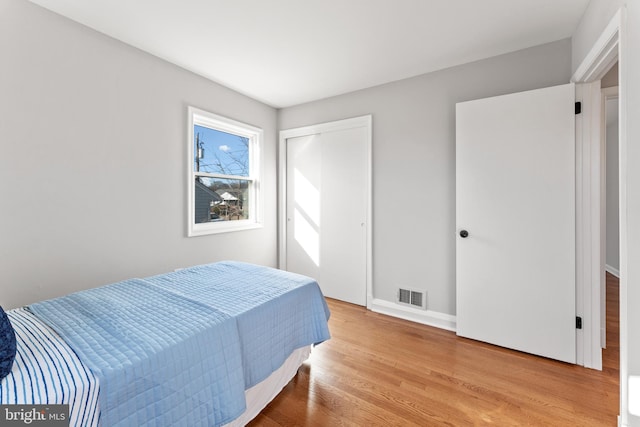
(220, 152)
(221, 199)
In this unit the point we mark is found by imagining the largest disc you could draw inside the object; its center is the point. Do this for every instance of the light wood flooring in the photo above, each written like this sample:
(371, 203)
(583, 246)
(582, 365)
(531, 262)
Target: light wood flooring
(381, 371)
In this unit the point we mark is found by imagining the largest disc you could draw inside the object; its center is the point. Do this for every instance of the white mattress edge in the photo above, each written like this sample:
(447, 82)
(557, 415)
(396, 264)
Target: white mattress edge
(259, 396)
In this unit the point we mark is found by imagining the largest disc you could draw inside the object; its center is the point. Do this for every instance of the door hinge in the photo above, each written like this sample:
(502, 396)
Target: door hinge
(578, 322)
(578, 107)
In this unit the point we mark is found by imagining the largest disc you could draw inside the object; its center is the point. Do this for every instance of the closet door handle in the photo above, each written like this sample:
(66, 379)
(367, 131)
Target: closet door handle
(464, 234)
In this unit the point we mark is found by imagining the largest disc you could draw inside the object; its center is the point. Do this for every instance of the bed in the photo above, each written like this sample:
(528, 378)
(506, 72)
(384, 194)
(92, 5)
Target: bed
(209, 345)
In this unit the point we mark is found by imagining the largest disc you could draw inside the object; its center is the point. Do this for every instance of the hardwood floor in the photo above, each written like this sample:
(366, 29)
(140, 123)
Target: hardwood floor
(381, 371)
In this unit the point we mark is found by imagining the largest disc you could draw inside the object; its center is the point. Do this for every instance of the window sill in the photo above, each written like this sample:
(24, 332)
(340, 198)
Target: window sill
(221, 227)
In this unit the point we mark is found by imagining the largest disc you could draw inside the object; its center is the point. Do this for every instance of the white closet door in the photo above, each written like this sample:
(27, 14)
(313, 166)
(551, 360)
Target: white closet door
(327, 211)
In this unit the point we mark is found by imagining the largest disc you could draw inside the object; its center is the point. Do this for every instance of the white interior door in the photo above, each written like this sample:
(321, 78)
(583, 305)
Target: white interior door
(326, 210)
(515, 196)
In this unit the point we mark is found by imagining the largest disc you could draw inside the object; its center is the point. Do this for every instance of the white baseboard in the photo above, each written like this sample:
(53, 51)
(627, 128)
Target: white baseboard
(612, 270)
(426, 317)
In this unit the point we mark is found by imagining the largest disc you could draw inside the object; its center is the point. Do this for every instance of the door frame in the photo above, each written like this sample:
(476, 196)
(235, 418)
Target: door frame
(589, 221)
(609, 47)
(355, 122)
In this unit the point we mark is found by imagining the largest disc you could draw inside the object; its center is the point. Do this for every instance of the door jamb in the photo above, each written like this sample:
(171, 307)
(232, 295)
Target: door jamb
(588, 225)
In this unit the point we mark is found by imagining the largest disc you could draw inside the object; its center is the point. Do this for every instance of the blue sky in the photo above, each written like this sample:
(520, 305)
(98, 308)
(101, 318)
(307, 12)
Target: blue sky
(223, 152)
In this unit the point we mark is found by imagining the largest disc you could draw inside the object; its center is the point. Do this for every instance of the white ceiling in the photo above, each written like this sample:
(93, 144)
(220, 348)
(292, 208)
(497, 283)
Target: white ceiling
(287, 52)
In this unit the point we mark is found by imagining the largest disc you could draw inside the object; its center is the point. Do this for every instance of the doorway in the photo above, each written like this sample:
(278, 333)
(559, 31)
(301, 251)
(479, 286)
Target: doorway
(610, 187)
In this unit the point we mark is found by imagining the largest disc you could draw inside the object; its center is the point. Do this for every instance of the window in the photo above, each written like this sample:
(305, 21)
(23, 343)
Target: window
(223, 178)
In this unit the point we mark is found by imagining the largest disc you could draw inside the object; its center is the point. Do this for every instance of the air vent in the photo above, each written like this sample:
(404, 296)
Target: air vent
(412, 297)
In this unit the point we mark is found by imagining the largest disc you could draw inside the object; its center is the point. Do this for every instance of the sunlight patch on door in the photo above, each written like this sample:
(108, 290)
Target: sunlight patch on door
(307, 236)
(307, 216)
(307, 197)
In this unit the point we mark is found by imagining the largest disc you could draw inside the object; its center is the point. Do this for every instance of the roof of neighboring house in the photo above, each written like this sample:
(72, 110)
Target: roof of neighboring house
(227, 196)
(210, 192)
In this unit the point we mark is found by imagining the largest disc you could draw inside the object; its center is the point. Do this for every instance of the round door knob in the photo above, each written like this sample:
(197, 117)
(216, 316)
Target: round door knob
(464, 234)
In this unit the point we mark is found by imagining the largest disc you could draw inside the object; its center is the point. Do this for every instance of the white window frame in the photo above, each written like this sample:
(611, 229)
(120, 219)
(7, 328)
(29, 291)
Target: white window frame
(255, 136)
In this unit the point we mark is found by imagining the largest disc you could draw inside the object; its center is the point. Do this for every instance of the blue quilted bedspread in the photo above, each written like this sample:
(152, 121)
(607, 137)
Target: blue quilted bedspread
(181, 348)
(277, 311)
(161, 359)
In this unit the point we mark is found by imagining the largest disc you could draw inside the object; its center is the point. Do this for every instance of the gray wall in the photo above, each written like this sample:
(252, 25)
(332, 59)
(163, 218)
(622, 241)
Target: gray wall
(611, 78)
(414, 160)
(93, 160)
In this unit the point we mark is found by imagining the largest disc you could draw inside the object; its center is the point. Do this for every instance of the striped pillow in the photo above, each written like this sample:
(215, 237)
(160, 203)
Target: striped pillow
(7, 345)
